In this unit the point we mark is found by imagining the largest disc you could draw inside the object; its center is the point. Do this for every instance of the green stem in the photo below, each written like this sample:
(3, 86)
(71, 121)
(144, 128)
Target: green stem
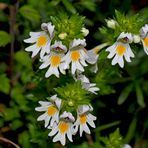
(109, 125)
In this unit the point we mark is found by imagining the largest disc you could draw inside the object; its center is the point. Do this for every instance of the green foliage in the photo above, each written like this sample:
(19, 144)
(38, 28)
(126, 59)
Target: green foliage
(69, 25)
(30, 13)
(114, 140)
(5, 38)
(5, 84)
(126, 87)
(125, 23)
(73, 95)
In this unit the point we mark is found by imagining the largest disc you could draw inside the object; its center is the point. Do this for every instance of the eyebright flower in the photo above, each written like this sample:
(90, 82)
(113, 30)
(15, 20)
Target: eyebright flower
(51, 110)
(63, 128)
(54, 60)
(120, 49)
(144, 37)
(84, 117)
(41, 39)
(76, 56)
(93, 55)
(91, 87)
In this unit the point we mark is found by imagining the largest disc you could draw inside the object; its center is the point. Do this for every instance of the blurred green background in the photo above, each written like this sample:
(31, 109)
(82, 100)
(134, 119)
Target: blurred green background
(122, 99)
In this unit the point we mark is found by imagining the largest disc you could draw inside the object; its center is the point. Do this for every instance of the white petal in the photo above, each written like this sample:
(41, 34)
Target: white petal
(31, 48)
(90, 122)
(49, 72)
(115, 60)
(69, 135)
(42, 117)
(45, 64)
(53, 132)
(86, 129)
(73, 67)
(36, 34)
(121, 62)
(79, 66)
(40, 109)
(61, 68)
(44, 103)
(35, 52)
(31, 40)
(47, 120)
(57, 137)
(92, 117)
(81, 130)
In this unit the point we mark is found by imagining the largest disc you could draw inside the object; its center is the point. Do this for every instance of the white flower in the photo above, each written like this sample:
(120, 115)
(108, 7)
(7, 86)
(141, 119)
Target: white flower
(41, 41)
(111, 23)
(93, 53)
(85, 31)
(120, 49)
(63, 128)
(136, 38)
(76, 56)
(126, 146)
(84, 117)
(91, 87)
(144, 37)
(51, 110)
(54, 60)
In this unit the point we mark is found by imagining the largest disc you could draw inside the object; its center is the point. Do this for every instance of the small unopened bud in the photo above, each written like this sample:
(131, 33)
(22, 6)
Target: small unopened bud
(136, 38)
(85, 31)
(62, 35)
(44, 26)
(70, 103)
(111, 23)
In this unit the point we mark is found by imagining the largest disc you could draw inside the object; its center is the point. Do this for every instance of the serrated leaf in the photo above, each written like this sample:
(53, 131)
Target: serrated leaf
(30, 13)
(5, 38)
(4, 84)
(124, 94)
(140, 97)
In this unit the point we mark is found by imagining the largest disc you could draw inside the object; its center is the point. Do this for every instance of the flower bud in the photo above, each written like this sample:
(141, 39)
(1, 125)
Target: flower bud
(111, 23)
(62, 35)
(70, 103)
(85, 31)
(136, 38)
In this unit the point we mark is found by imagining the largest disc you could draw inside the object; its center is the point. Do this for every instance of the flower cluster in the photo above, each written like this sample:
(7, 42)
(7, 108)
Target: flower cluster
(121, 47)
(64, 124)
(57, 56)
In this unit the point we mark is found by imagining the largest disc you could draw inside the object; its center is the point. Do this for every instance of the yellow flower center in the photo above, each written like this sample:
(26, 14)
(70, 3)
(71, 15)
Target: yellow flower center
(63, 127)
(42, 40)
(55, 60)
(51, 110)
(75, 56)
(146, 42)
(83, 119)
(120, 50)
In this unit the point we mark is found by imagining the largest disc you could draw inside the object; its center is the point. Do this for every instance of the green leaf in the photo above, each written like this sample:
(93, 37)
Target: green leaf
(124, 94)
(4, 84)
(69, 6)
(131, 131)
(90, 5)
(23, 58)
(30, 13)
(140, 97)
(5, 38)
